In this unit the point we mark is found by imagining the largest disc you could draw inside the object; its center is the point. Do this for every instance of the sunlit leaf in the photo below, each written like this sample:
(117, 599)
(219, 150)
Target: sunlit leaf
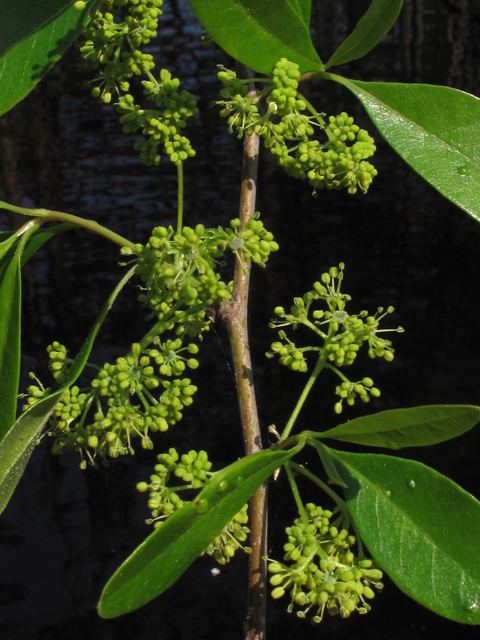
(28, 59)
(23, 18)
(260, 32)
(370, 30)
(422, 529)
(157, 563)
(435, 129)
(416, 427)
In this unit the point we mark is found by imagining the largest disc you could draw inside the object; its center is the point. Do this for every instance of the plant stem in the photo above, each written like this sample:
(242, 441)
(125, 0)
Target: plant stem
(180, 198)
(336, 498)
(319, 366)
(162, 325)
(296, 494)
(234, 313)
(91, 225)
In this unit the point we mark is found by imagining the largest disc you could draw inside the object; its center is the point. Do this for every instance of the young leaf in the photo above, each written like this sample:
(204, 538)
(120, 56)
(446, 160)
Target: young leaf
(10, 302)
(421, 528)
(436, 130)
(25, 63)
(258, 33)
(370, 30)
(164, 556)
(17, 446)
(416, 427)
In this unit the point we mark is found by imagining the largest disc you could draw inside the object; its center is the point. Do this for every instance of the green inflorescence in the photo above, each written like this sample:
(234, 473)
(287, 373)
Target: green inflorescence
(112, 46)
(342, 335)
(144, 392)
(122, 402)
(193, 470)
(180, 267)
(321, 572)
(278, 114)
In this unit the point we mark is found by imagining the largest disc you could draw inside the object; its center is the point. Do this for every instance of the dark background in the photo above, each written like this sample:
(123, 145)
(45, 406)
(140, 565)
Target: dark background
(65, 531)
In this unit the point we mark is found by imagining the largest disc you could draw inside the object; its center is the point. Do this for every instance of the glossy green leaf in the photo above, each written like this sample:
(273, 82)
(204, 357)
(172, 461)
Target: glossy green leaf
(370, 30)
(258, 33)
(303, 8)
(27, 62)
(436, 130)
(164, 556)
(416, 427)
(23, 18)
(422, 529)
(17, 446)
(10, 304)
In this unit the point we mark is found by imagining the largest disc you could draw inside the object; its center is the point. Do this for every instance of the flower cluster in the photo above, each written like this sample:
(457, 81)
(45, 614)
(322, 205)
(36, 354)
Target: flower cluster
(342, 335)
(337, 162)
(163, 125)
(322, 571)
(113, 47)
(178, 268)
(122, 401)
(192, 469)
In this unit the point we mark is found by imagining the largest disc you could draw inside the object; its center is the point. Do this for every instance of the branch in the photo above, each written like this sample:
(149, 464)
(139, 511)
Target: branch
(234, 314)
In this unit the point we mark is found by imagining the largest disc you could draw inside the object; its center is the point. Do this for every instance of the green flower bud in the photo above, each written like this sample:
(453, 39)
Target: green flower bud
(278, 593)
(276, 579)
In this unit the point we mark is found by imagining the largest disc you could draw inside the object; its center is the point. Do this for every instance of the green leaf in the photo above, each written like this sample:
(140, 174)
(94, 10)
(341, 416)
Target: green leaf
(370, 30)
(422, 529)
(258, 33)
(23, 18)
(436, 130)
(303, 8)
(157, 563)
(10, 304)
(17, 446)
(416, 427)
(37, 240)
(27, 62)
(7, 240)
(34, 242)
(328, 464)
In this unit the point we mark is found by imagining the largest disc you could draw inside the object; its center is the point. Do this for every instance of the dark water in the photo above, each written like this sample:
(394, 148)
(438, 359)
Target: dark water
(65, 531)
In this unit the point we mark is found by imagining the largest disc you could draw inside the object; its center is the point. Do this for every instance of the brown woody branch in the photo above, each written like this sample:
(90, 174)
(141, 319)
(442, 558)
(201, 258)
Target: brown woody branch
(234, 314)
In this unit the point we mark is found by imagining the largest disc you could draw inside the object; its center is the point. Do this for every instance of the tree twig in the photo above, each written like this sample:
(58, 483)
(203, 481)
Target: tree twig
(234, 313)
